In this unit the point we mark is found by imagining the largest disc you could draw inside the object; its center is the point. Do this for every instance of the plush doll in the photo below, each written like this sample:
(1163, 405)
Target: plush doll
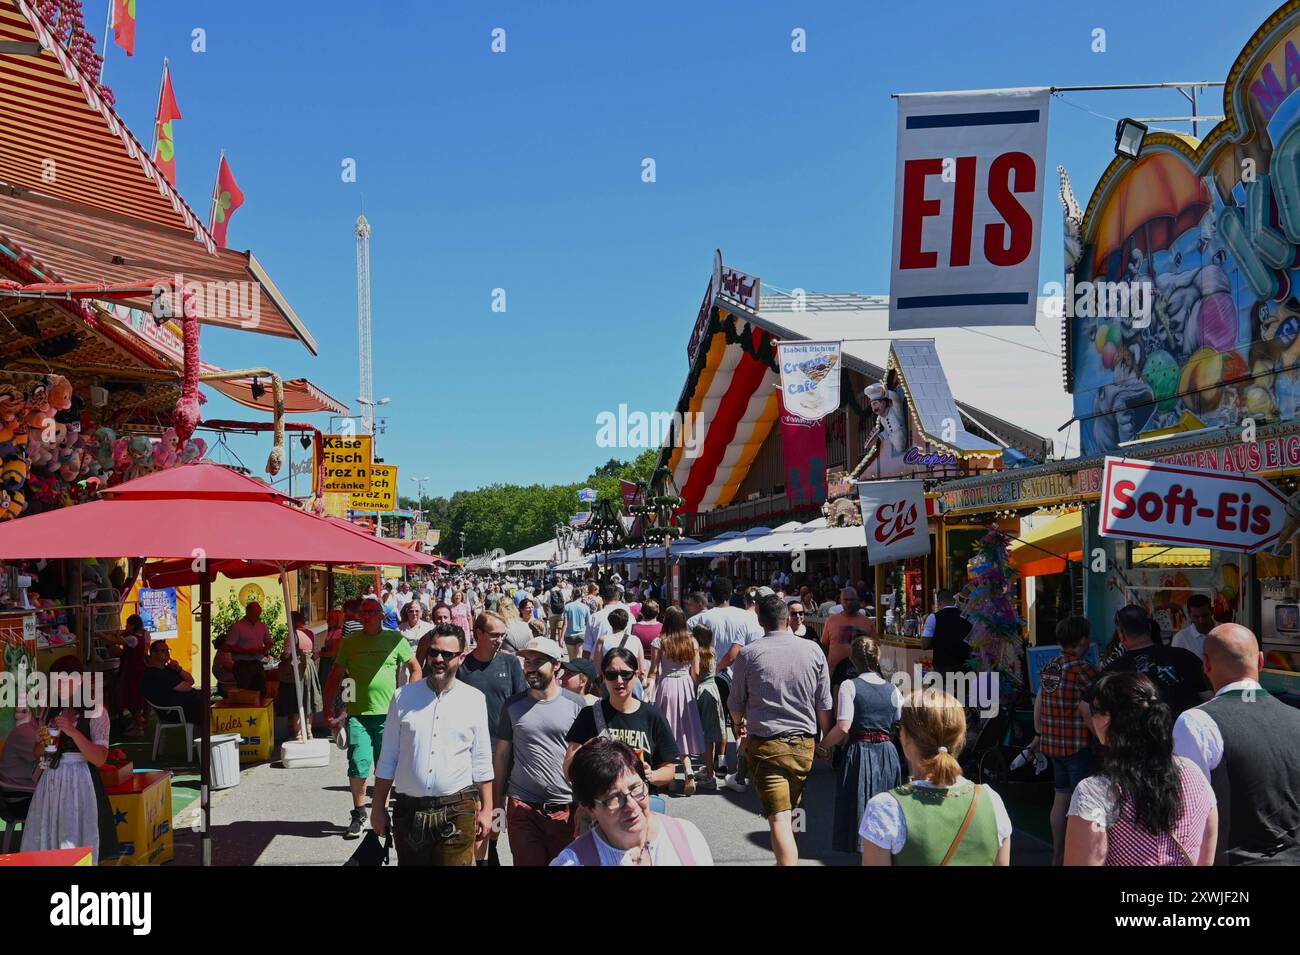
(11, 505)
(41, 443)
(141, 449)
(122, 456)
(186, 414)
(13, 409)
(194, 450)
(104, 440)
(165, 451)
(58, 394)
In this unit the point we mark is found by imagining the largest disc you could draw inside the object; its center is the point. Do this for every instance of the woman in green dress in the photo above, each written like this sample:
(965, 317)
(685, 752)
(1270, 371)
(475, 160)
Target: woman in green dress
(940, 817)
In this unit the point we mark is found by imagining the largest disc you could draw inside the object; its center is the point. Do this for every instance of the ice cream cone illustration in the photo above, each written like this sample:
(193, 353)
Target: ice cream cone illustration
(1289, 526)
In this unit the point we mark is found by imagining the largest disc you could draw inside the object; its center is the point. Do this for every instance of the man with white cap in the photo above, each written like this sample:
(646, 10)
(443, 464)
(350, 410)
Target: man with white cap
(529, 759)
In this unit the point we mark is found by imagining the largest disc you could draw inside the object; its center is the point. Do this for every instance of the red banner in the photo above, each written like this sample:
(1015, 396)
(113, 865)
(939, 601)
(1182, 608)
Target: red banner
(803, 448)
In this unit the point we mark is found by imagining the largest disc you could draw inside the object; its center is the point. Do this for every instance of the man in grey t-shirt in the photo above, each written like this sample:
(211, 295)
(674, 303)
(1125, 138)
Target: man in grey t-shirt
(541, 819)
(780, 698)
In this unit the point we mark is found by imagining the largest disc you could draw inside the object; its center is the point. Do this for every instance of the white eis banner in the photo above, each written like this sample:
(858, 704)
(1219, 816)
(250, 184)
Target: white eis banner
(893, 516)
(968, 208)
(810, 377)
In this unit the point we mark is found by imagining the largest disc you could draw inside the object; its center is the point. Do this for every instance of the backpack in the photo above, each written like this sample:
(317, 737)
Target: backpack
(556, 600)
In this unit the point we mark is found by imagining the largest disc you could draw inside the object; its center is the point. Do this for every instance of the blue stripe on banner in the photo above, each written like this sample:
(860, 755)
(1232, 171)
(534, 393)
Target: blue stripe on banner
(947, 120)
(950, 301)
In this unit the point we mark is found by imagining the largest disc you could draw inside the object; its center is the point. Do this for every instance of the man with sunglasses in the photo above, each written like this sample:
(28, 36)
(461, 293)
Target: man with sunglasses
(623, 717)
(437, 758)
(498, 676)
(529, 759)
(369, 661)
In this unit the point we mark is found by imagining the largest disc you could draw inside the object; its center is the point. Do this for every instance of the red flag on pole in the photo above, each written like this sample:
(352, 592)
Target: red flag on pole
(124, 25)
(226, 198)
(164, 150)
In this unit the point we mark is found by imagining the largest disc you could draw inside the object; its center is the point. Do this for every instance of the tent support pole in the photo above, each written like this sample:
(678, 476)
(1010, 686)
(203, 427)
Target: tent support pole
(205, 717)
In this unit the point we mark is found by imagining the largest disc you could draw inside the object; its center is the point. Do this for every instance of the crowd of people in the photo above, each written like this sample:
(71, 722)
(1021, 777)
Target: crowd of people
(562, 716)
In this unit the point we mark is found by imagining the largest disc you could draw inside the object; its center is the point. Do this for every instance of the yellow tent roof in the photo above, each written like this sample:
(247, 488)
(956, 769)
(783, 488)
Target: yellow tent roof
(1045, 549)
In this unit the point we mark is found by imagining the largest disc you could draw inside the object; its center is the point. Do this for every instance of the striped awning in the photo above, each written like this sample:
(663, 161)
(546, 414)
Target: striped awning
(735, 403)
(50, 113)
(81, 201)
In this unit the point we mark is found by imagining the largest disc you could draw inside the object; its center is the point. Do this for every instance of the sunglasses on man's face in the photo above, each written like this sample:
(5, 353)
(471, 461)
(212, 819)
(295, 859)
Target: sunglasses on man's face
(613, 676)
(444, 654)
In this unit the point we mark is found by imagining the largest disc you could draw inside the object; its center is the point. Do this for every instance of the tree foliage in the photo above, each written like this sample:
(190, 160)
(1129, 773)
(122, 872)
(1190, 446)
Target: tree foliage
(513, 516)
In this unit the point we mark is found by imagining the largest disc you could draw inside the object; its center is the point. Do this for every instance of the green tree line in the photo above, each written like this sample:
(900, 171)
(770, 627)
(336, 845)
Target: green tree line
(514, 516)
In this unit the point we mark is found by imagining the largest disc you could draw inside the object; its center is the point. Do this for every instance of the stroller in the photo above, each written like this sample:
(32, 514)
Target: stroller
(997, 746)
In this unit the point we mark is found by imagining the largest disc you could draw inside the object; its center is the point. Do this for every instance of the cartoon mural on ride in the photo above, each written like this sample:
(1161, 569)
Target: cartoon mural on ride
(1214, 230)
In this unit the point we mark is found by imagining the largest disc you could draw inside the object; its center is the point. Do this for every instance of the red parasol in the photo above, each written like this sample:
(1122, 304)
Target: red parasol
(209, 516)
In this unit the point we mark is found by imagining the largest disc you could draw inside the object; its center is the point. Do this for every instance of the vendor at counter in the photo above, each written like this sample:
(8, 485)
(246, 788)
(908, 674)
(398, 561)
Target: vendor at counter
(247, 641)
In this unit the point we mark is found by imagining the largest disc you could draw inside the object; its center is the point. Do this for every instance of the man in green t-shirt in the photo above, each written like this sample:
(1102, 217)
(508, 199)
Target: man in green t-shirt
(367, 666)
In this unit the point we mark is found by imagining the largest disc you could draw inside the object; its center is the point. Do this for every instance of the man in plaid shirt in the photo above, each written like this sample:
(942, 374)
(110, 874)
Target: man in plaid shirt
(1061, 730)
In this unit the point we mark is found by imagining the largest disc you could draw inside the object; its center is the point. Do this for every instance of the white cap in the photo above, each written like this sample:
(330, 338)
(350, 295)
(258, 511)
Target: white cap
(546, 646)
(875, 391)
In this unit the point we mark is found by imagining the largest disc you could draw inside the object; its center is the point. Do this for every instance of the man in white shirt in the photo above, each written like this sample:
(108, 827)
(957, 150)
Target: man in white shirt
(437, 758)
(403, 596)
(1244, 740)
(1192, 637)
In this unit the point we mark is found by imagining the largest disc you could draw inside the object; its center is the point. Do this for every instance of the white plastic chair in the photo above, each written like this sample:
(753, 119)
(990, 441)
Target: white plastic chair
(171, 718)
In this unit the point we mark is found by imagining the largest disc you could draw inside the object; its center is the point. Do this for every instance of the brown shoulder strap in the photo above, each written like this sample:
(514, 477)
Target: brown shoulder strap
(965, 824)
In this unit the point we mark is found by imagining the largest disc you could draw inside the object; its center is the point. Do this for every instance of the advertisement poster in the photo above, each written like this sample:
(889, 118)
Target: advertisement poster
(810, 377)
(803, 448)
(893, 517)
(968, 205)
(157, 608)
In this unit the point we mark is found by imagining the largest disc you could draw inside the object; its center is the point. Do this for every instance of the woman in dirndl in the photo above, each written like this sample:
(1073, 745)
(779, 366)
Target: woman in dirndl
(70, 808)
(867, 707)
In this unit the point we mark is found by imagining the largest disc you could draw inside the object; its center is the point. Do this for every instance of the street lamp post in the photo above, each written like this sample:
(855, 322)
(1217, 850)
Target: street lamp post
(368, 412)
(419, 483)
(462, 545)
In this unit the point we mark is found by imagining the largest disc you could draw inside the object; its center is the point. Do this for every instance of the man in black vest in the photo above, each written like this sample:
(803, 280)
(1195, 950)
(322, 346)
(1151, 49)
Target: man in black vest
(1248, 743)
(945, 634)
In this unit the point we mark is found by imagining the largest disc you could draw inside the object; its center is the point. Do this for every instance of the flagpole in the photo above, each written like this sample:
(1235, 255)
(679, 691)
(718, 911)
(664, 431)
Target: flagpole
(162, 85)
(108, 26)
(216, 184)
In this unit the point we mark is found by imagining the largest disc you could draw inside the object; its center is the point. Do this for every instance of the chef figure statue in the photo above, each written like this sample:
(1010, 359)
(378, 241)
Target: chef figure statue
(891, 416)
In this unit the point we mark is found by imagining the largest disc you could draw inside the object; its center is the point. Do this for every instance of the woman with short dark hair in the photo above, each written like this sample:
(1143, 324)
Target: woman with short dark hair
(1147, 806)
(609, 782)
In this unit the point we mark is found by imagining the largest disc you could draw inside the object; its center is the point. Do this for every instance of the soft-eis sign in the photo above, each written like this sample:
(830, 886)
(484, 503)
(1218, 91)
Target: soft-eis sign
(1173, 504)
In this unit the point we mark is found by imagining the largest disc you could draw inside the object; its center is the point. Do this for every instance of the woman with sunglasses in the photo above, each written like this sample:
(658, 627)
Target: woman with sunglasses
(797, 617)
(610, 783)
(623, 717)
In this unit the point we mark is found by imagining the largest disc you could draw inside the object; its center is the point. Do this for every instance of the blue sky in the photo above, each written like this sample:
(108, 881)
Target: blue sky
(522, 171)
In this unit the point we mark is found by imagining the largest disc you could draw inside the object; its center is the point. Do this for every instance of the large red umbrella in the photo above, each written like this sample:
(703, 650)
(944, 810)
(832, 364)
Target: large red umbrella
(211, 517)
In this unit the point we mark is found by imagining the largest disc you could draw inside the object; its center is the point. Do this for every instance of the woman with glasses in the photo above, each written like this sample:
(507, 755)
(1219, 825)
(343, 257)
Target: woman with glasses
(609, 782)
(797, 617)
(623, 717)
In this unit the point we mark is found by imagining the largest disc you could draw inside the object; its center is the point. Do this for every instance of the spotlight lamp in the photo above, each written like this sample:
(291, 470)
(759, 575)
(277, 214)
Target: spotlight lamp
(1129, 134)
